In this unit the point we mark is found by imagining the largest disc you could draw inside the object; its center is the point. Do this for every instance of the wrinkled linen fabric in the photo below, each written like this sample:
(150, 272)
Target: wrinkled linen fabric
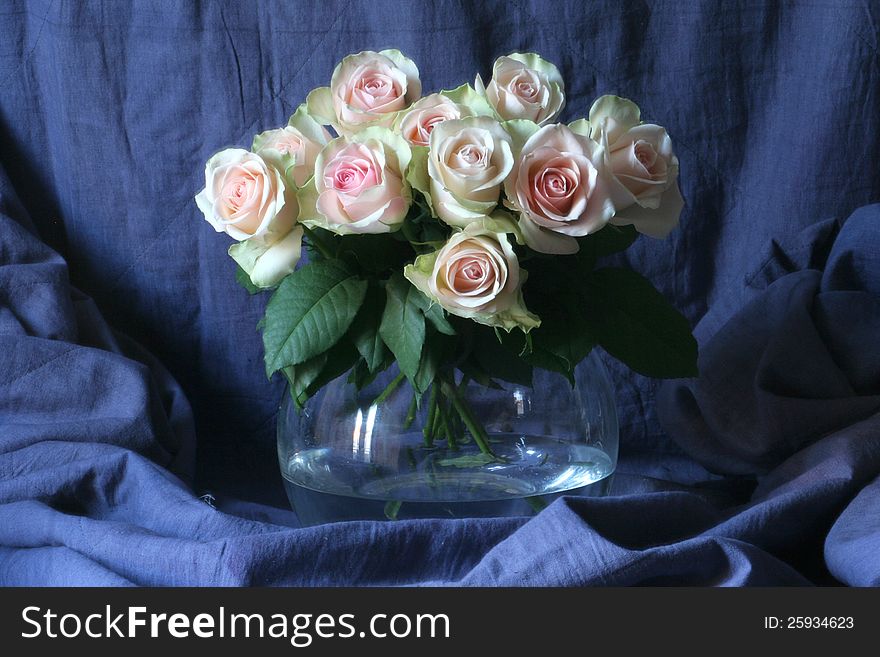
(131, 384)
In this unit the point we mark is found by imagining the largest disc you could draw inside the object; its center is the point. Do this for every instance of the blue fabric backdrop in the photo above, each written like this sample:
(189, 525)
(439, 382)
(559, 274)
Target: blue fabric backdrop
(130, 373)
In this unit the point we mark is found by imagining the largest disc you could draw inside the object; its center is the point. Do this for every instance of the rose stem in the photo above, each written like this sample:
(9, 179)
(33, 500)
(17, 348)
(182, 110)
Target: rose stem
(391, 387)
(317, 242)
(428, 429)
(450, 435)
(437, 427)
(411, 411)
(537, 503)
(392, 507)
(470, 422)
(456, 419)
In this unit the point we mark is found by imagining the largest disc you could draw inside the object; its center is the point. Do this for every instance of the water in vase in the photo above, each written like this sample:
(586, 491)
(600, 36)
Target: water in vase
(525, 474)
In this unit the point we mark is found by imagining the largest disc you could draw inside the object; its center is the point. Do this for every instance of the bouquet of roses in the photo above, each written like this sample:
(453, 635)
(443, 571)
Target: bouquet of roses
(455, 234)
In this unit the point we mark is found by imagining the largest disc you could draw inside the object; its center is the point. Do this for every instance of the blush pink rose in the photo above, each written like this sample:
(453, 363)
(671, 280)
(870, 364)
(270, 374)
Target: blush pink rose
(359, 184)
(367, 89)
(294, 148)
(246, 197)
(475, 275)
(642, 161)
(421, 119)
(525, 86)
(560, 187)
(643, 164)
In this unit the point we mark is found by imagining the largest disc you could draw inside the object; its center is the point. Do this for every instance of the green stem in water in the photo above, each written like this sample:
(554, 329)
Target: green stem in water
(447, 429)
(390, 388)
(411, 411)
(468, 418)
(391, 509)
(437, 427)
(428, 429)
(537, 503)
(318, 242)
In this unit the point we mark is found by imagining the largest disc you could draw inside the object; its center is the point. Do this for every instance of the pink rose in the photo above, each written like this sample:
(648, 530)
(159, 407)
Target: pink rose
(246, 197)
(294, 148)
(367, 89)
(560, 187)
(525, 86)
(475, 275)
(418, 123)
(642, 161)
(359, 184)
(644, 167)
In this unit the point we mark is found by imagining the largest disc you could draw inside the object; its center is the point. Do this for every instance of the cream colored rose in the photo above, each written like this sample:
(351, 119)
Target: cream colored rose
(468, 160)
(561, 189)
(416, 124)
(294, 148)
(475, 275)
(524, 86)
(246, 197)
(359, 184)
(267, 263)
(644, 166)
(367, 89)
(419, 121)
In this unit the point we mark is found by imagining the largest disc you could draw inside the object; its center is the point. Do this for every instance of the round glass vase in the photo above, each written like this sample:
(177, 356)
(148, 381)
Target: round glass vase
(367, 455)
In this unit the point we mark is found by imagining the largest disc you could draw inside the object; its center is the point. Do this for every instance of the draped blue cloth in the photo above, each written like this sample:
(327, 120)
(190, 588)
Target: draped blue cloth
(130, 370)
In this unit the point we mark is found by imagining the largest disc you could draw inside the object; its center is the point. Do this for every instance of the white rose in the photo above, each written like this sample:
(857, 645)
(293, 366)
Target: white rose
(468, 160)
(524, 86)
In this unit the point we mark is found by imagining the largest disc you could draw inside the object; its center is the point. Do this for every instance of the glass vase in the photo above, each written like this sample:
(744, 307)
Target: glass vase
(499, 450)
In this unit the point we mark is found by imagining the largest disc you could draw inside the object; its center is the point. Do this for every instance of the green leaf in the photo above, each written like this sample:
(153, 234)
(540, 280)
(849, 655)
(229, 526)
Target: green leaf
(468, 461)
(434, 313)
(611, 239)
(341, 358)
(392, 508)
(311, 310)
(634, 323)
(473, 371)
(365, 330)
(374, 254)
(501, 360)
(551, 362)
(436, 347)
(403, 324)
(242, 278)
(361, 376)
(437, 316)
(301, 376)
(565, 337)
